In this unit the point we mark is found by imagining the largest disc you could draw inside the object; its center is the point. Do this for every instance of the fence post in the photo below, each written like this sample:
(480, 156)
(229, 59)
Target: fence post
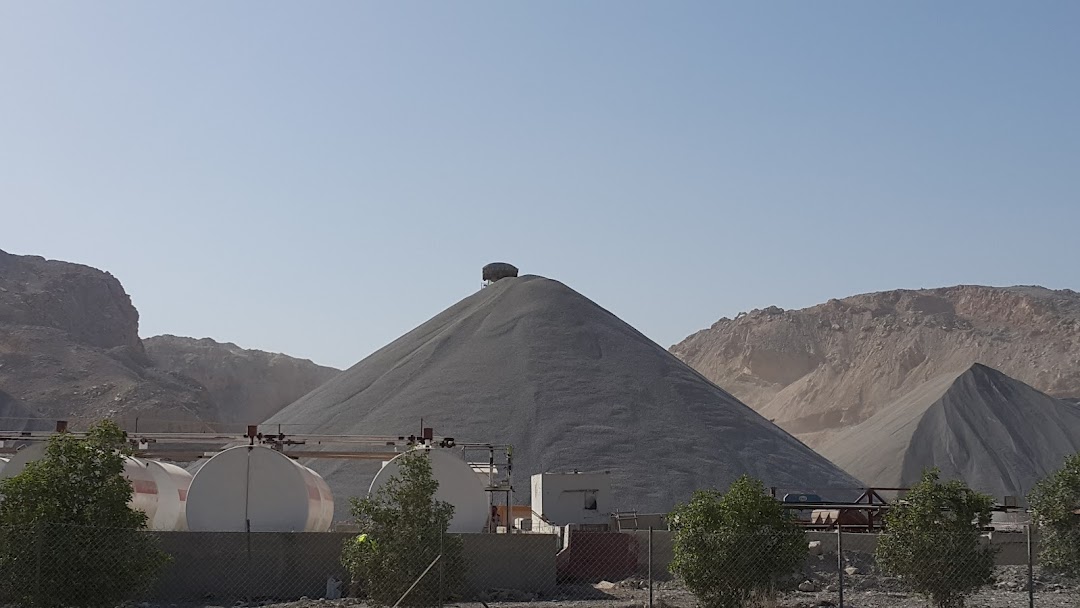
(650, 569)
(1031, 569)
(442, 583)
(38, 533)
(840, 560)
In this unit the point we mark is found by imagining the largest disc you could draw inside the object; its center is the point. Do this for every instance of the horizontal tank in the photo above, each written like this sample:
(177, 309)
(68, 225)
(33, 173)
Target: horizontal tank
(145, 489)
(257, 489)
(159, 498)
(160, 491)
(173, 483)
(459, 485)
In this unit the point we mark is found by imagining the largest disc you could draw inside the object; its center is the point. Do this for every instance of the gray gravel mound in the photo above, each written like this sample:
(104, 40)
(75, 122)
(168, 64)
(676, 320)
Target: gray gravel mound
(530, 362)
(997, 434)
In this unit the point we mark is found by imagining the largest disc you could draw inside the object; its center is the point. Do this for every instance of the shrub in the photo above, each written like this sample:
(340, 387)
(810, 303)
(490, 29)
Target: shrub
(1054, 501)
(67, 534)
(733, 548)
(933, 540)
(403, 529)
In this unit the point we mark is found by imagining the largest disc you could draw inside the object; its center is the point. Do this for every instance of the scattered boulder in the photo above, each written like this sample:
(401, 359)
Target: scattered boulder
(633, 583)
(605, 585)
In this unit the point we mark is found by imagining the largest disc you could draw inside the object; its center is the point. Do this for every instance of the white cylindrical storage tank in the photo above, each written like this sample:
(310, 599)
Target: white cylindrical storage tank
(458, 485)
(18, 461)
(163, 505)
(257, 489)
(144, 496)
(173, 483)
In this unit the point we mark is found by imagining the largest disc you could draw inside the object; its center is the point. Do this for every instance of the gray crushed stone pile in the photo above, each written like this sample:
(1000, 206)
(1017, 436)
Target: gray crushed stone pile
(530, 362)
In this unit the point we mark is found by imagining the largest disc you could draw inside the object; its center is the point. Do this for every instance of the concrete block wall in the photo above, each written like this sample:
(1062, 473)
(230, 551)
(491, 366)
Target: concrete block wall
(591, 557)
(236, 565)
(1011, 546)
(523, 562)
(662, 552)
(223, 566)
(860, 542)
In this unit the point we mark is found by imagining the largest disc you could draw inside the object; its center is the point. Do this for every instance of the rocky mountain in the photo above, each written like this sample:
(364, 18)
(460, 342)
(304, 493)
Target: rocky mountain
(84, 303)
(998, 435)
(248, 386)
(70, 349)
(817, 370)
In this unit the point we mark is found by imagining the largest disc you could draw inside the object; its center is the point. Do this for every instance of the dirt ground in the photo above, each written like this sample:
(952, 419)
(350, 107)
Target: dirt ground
(860, 591)
(865, 587)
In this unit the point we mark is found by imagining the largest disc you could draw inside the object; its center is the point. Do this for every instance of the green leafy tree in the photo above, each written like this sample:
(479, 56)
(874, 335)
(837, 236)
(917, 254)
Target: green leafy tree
(403, 529)
(67, 534)
(1055, 501)
(734, 548)
(933, 540)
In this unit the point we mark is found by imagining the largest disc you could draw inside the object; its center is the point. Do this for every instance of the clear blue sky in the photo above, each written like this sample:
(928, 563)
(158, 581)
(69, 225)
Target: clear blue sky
(318, 178)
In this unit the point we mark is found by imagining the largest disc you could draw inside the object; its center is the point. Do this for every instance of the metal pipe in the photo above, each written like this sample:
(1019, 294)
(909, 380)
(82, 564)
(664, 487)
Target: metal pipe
(39, 530)
(442, 575)
(650, 569)
(1030, 569)
(221, 436)
(247, 495)
(417, 581)
(509, 480)
(840, 562)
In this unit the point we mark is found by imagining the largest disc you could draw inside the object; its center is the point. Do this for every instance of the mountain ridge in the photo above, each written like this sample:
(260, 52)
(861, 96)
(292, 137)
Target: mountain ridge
(832, 365)
(248, 385)
(70, 350)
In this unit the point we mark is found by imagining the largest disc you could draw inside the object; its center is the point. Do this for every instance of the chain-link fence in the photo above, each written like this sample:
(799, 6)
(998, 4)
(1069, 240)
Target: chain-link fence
(59, 566)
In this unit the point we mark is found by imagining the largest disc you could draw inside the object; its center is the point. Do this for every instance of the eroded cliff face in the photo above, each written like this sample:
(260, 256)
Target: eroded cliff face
(248, 386)
(88, 305)
(70, 349)
(831, 366)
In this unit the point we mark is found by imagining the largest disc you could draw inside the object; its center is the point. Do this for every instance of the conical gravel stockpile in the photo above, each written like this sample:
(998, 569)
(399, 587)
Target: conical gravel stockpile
(530, 362)
(995, 433)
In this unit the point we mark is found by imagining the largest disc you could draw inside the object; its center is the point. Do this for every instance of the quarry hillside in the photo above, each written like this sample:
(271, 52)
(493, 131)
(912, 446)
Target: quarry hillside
(70, 349)
(528, 361)
(248, 385)
(822, 369)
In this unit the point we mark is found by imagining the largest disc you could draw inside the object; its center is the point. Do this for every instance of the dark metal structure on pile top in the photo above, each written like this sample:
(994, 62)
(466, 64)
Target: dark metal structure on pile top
(498, 270)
